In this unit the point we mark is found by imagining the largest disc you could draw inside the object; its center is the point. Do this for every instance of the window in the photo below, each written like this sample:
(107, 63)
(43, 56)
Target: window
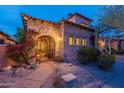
(83, 42)
(78, 41)
(71, 40)
(1, 41)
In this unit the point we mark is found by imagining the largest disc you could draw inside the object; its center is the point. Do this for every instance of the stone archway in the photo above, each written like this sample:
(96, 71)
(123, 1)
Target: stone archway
(45, 47)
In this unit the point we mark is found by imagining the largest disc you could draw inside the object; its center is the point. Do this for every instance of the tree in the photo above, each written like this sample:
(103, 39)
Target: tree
(111, 23)
(21, 35)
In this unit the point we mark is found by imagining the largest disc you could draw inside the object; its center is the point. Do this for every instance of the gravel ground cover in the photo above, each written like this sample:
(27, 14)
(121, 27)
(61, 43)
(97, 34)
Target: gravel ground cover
(88, 76)
(91, 76)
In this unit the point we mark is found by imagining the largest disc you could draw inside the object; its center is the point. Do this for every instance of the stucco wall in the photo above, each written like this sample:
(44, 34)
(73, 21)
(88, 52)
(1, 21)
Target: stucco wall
(115, 44)
(78, 20)
(2, 53)
(71, 50)
(122, 45)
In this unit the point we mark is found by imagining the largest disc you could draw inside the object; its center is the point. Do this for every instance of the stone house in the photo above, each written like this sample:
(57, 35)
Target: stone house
(60, 39)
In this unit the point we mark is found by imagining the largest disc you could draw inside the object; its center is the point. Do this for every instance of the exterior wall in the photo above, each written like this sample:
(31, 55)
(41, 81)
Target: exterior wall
(71, 50)
(73, 19)
(115, 44)
(6, 39)
(122, 45)
(78, 20)
(2, 54)
(47, 29)
(4, 61)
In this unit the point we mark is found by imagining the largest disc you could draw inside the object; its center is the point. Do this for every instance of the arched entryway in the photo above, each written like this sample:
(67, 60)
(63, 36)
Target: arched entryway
(45, 47)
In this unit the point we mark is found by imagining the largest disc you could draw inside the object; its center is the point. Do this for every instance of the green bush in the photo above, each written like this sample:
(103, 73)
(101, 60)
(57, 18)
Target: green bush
(86, 55)
(58, 59)
(114, 51)
(106, 61)
(33, 66)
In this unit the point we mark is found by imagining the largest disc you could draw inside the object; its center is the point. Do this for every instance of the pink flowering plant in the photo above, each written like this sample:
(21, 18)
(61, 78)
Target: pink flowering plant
(20, 52)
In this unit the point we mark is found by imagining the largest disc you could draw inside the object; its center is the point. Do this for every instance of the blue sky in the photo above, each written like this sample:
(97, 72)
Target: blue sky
(10, 17)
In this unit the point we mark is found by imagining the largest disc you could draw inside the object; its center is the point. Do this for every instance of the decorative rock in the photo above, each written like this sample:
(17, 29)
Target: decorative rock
(21, 69)
(8, 68)
(33, 66)
(23, 65)
(70, 64)
(69, 79)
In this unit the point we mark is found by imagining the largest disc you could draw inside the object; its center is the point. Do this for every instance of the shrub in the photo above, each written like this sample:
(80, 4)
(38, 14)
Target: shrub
(86, 55)
(33, 66)
(106, 61)
(19, 52)
(113, 51)
(58, 59)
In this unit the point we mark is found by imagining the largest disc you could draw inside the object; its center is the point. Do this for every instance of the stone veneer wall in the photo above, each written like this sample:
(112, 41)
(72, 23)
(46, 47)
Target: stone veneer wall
(71, 50)
(45, 28)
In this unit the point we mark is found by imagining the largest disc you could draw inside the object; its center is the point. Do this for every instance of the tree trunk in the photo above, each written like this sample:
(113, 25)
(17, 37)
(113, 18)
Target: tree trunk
(96, 38)
(109, 45)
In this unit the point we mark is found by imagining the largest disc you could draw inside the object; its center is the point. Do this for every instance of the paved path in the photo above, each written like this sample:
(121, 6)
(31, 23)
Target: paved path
(37, 78)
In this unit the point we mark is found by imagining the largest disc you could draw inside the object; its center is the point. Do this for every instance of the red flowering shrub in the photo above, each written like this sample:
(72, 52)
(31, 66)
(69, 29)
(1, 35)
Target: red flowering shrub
(19, 52)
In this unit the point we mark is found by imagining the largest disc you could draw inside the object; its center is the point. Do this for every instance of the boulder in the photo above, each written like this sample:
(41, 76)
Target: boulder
(7, 68)
(69, 80)
(70, 64)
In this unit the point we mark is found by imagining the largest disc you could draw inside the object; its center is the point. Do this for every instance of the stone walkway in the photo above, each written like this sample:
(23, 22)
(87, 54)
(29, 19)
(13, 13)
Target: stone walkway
(34, 80)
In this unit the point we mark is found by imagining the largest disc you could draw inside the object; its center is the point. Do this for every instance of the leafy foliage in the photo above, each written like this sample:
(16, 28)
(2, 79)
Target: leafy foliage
(21, 35)
(111, 18)
(86, 55)
(106, 61)
(110, 23)
(20, 52)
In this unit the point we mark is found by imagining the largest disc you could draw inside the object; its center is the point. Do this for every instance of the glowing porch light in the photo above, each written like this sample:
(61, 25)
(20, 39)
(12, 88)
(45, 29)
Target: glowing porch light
(101, 43)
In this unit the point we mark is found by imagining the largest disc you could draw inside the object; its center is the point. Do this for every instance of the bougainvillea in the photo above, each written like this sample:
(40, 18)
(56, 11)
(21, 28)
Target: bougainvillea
(19, 52)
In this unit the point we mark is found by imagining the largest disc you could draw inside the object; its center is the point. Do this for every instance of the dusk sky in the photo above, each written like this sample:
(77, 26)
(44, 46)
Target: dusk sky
(10, 17)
